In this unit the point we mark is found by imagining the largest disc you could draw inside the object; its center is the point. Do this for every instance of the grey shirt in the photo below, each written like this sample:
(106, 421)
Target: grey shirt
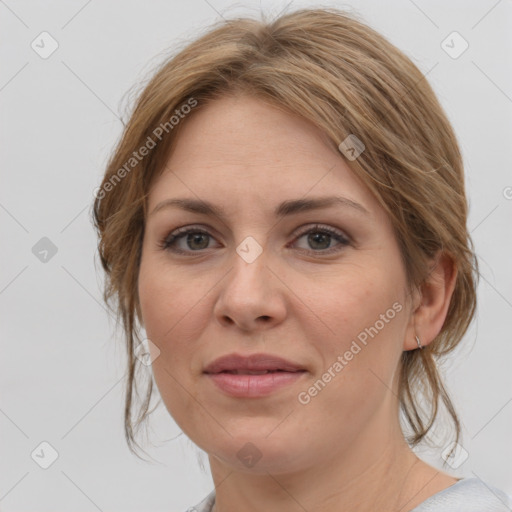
(467, 495)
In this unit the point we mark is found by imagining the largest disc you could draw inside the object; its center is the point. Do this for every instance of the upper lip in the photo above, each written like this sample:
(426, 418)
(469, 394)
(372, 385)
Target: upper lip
(252, 362)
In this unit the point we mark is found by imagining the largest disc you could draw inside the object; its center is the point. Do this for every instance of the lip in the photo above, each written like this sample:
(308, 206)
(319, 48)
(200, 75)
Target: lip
(252, 362)
(243, 385)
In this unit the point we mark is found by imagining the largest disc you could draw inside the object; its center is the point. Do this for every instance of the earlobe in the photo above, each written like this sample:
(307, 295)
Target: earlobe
(434, 295)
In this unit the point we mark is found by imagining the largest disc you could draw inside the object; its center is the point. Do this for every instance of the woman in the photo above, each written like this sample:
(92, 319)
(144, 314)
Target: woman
(297, 343)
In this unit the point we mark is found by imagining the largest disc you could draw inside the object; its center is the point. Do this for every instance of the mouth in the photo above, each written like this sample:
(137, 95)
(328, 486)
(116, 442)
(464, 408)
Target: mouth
(255, 372)
(254, 376)
(252, 364)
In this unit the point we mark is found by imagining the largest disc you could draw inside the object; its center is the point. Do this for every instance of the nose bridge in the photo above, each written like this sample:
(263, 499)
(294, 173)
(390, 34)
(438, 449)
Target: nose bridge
(249, 250)
(249, 267)
(248, 294)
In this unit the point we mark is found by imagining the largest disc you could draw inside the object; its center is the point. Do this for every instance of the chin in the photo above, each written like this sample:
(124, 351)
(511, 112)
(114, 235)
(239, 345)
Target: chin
(259, 453)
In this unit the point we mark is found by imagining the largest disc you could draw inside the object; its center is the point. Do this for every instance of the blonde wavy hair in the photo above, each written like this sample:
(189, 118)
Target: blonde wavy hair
(333, 70)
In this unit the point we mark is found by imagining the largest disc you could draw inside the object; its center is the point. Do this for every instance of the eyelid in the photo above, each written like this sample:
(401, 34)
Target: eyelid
(321, 227)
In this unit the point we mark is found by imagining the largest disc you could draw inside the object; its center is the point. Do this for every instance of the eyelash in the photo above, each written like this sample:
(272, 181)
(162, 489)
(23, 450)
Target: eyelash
(168, 242)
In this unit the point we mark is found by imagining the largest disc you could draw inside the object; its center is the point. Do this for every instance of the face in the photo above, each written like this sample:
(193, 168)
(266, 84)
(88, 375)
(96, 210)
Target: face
(323, 288)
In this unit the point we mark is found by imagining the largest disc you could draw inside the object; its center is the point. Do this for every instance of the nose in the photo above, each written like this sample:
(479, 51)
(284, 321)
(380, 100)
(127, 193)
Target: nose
(251, 296)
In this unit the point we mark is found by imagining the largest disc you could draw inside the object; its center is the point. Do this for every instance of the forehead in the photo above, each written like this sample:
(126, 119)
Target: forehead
(242, 147)
(249, 126)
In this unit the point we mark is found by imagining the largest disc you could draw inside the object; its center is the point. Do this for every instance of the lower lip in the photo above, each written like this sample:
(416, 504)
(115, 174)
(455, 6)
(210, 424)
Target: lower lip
(244, 386)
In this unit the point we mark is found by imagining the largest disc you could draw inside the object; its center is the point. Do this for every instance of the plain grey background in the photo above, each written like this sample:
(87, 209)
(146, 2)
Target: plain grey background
(62, 366)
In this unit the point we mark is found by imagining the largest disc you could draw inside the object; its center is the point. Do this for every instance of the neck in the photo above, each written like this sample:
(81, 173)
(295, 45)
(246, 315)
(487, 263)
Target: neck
(387, 477)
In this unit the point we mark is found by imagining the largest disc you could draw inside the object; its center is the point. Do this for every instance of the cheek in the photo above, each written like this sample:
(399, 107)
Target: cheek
(366, 317)
(167, 307)
(167, 302)
(175, 312)
(362, 298)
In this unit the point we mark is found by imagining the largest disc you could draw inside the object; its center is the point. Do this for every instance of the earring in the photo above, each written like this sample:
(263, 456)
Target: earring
(418, 342)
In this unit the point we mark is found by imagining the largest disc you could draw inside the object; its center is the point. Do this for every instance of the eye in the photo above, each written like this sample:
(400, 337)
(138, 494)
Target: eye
(193, 239)
(320, 238)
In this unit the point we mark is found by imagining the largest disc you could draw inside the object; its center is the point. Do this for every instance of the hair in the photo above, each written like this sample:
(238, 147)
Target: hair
(341, 75)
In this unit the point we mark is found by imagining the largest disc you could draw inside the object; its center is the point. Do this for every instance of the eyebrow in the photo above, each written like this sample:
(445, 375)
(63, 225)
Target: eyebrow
(286, 208)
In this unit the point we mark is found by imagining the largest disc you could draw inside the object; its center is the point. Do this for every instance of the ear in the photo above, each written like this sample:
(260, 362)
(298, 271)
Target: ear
(431, 303)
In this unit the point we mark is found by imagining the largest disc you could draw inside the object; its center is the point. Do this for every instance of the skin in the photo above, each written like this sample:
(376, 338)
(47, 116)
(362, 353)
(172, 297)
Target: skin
(343, 450)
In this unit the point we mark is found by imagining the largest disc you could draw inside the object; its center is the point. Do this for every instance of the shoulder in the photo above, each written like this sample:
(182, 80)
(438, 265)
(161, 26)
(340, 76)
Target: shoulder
(205, 505)
(468, 495)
